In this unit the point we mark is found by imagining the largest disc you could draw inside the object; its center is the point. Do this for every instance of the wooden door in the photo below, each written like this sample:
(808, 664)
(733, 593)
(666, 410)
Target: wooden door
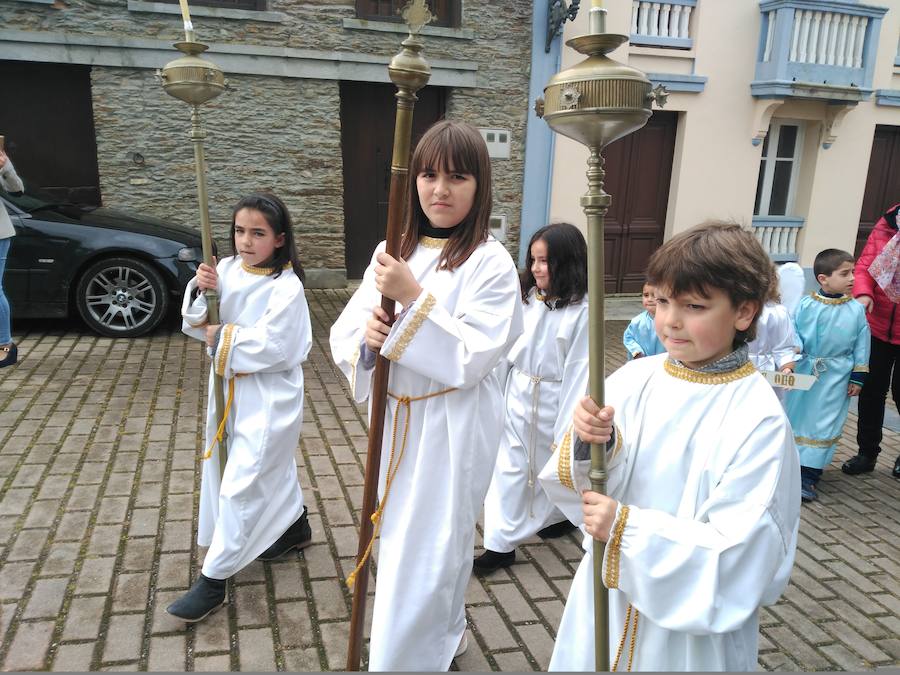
(48, 121)
(882, 182)
(638, 173)
(368, 110)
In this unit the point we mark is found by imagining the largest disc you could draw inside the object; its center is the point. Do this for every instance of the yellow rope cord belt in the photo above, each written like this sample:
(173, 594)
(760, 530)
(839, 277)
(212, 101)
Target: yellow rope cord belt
(634, 630)
(220, 432)
(391, 470)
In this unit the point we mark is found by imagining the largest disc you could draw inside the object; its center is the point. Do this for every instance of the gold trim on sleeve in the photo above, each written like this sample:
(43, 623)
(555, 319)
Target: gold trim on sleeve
(619, 441)
(860, 368)
(830, 301)
(411, 328)
(564, 464)
(224, 348)
(815, 442)
(698, 377)
(613, 549)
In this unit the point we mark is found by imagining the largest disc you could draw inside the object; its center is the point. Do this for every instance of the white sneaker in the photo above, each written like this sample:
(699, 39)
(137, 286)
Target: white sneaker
(463, 646)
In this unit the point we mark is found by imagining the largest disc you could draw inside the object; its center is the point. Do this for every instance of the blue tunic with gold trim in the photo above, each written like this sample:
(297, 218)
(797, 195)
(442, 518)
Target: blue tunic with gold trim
(835, 338)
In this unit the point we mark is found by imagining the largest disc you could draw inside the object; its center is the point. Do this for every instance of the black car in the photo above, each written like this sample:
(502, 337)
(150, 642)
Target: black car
(119, 270)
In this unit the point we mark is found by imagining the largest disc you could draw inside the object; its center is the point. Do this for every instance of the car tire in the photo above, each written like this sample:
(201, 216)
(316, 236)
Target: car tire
(121, 297)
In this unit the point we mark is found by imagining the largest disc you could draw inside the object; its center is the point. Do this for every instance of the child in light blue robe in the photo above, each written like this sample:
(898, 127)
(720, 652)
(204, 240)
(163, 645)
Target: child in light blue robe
(640, 338)
(835, 335)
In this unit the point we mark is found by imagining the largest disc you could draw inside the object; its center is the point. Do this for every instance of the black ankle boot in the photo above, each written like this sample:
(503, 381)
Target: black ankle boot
(859, 464)
(896, 472)
(556, 530)
(204, 596)
(490, 561)
(298, 535)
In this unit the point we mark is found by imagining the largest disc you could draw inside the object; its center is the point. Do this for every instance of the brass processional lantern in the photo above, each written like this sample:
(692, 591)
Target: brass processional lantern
(595, 103)
(195, 81)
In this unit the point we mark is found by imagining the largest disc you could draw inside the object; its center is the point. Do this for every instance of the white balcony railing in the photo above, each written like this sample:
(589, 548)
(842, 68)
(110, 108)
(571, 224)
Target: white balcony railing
(823, 38)
(778, 236)
(664, 24)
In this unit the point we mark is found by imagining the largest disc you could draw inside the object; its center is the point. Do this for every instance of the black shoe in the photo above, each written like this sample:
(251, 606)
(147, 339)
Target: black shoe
(491, 561)
(9, 355)
(298, 535)
(859, 464)
(896, 472)
(205, 595)
(557, 530)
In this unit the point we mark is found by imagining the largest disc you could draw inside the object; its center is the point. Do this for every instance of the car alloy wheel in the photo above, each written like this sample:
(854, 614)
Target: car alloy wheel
(121, 297)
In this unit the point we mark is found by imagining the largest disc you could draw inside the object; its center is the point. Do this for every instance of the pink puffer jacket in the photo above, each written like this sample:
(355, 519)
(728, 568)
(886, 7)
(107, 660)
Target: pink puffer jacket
(884, 319)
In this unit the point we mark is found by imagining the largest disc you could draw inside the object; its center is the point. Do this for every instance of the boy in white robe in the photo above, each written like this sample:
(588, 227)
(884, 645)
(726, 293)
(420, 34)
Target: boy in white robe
(640, 338)
(459, 292)
(255, 510)
(702, 515)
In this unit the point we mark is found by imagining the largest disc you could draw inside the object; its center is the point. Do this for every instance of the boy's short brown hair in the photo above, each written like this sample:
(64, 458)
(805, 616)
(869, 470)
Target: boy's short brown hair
(715, 254)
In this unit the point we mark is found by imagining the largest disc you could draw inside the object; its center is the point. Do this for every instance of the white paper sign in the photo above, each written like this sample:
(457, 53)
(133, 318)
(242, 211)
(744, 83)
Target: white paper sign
(789, 380)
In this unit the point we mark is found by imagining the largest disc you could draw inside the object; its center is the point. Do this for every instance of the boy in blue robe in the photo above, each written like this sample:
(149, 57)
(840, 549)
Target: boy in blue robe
(835, 335)
(640, 338)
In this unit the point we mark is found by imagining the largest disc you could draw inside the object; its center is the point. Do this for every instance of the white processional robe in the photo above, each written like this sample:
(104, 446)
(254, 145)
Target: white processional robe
(776, 342)
(452, 336)
(265, 338)
(707, 467)
(545, 374)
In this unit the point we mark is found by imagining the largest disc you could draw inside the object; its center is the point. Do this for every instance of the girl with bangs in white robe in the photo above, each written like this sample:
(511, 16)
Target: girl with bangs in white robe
(703, 507)
(459, 294)
(544, 375)
(256, 508)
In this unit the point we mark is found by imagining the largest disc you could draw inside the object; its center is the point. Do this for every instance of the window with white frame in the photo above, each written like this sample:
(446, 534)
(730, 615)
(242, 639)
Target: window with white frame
(779, 169)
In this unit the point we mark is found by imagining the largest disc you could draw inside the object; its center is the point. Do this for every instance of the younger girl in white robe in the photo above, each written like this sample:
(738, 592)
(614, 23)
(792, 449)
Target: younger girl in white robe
(544, 375)
(256, 509)
(776, 346)
(459, 294)
(703, 510)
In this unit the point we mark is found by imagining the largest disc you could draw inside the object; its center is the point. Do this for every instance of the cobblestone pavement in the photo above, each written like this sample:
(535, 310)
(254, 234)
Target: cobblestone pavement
(99, 460)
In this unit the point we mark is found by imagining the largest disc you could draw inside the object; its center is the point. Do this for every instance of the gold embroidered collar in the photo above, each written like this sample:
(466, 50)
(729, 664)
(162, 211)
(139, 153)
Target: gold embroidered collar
(262, 271)
(683, 373)
(432, 242)
(830, 301)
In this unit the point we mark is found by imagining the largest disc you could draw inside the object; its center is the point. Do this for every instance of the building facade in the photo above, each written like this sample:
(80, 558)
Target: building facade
(309, 113)
(782, 114)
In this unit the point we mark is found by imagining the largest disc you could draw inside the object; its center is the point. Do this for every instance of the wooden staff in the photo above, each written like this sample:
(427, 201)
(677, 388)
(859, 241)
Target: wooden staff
(410, 72)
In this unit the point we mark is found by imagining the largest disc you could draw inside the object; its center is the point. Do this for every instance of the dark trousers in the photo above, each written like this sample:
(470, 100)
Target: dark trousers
(884, 374)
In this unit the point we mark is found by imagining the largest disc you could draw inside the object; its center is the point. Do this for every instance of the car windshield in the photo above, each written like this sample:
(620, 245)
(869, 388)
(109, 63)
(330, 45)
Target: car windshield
(32, 199)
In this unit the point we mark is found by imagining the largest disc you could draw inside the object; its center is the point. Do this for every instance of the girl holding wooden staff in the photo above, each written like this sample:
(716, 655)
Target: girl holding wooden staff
(458, 296)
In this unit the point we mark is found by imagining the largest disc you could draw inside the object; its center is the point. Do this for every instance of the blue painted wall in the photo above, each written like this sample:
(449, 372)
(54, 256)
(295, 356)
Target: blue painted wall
(539, 140)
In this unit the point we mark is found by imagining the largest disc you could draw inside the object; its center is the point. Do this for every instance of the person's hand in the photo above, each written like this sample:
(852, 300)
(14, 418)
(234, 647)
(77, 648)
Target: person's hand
(3, 159)
(788, 367)
(395, 280)
(853, 389)
(207, 277)
(377, 329)
(211, 330)
(867, 302)
(592, 424)
(599, 514)
(637, 355)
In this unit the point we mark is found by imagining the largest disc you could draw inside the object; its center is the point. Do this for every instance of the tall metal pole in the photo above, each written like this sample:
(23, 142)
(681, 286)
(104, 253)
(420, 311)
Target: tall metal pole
(596, 102)
(410, 72)
(198, 134)
(195, 81)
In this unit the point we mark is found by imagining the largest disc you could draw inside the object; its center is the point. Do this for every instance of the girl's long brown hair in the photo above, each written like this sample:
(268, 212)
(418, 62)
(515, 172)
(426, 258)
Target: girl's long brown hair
(458, 146)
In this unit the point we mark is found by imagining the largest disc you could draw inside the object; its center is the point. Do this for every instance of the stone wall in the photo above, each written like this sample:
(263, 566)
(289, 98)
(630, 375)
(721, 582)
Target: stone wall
(277, 133)
(267, 133)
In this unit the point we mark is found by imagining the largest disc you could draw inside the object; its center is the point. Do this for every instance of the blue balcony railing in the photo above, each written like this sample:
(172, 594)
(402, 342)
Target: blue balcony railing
(820, 49)
(778, 235)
